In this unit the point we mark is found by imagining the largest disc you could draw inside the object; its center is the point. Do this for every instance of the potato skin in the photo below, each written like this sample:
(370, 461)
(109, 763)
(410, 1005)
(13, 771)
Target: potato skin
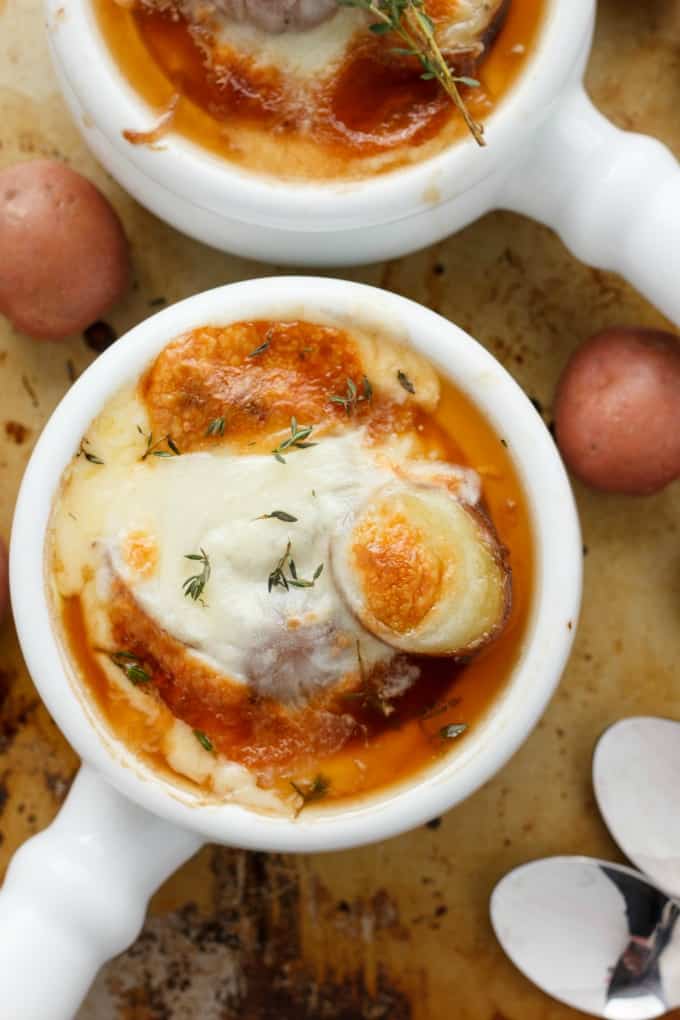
(617, 411)
(4, 583)
(63, 254)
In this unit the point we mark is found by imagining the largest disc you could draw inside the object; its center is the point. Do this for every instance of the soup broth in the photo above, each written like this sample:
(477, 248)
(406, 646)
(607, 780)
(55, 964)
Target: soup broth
(330, 102)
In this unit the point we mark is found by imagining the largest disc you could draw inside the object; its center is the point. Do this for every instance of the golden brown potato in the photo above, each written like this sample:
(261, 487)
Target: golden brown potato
(423, 571)
(63, 254)
(617, 411)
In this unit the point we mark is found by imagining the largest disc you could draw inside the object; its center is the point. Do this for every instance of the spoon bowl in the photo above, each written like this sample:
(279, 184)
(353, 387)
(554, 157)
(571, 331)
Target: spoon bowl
(596, 936)
(636, 776)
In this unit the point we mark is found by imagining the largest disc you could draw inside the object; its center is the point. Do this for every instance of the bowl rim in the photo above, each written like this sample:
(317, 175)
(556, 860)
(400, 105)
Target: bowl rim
(558, 567)
(193, 175)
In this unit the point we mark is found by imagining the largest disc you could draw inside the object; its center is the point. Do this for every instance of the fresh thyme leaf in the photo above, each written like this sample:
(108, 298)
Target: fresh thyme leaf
(260, 350)
(91, 457)
(410, 23)
(216, 427)
(279, 515)
(405, 382)
(152, 446)
(132, 667)
(314, 790)
(278, 579)
(194, 585)
(452, 731)
(204, 740)
(296, 439)
(352, 396)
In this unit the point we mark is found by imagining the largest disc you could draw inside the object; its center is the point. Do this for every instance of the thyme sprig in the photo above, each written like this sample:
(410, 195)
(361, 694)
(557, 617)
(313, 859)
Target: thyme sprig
(204, 740)
(131, 665)
(410, 22)
(405, 382)
(261, 349)
(296, 440)
(352, 396)
(278, 515)
(194, 585)
(216, 427)
(278, 579)
(91, 457)
(152, 445)
(313, 790)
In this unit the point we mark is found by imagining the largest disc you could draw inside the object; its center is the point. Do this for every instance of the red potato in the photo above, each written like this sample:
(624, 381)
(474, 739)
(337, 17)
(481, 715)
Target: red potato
(63, 255)
(4, 583)
(617, 411)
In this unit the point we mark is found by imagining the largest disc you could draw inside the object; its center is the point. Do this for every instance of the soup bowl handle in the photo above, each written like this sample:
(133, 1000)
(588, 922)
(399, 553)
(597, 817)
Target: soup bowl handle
(611, 195)
(76, 894)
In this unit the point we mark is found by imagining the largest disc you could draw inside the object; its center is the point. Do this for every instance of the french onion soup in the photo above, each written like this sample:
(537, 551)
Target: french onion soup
(290, 564)
(319, 89)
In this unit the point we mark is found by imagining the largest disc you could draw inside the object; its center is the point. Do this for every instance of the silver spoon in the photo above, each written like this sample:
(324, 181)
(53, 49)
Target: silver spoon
(636, 775)
(596, 936)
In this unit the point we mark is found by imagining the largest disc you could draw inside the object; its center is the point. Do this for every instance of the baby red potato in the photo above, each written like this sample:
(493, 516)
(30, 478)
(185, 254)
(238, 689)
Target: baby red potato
(63, 255)
(617, 411)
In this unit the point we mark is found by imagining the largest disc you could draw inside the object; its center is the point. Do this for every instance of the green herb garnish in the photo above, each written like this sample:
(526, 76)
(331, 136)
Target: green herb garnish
(278, 579)
(405, 382)
(193, 586)
(352, 396)
(152, 446)
(131, 665)
(216, 427)
(261, 349)
(314, 790)
(204, 740)
(409, 21)
(279, 515)
(91, 457)
(296, 439)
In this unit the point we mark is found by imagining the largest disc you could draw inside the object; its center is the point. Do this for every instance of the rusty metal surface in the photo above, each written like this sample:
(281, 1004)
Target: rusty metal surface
(399, 930)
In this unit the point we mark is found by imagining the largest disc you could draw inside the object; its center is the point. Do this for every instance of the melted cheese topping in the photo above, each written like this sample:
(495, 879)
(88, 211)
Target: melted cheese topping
(148, 516)
(203, 564)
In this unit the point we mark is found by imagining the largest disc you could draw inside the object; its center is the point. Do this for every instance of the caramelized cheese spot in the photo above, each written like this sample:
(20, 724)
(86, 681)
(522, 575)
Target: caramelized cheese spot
(140, 553)
(259, 375)
(215, 372)
(401, 577)
(257, 732)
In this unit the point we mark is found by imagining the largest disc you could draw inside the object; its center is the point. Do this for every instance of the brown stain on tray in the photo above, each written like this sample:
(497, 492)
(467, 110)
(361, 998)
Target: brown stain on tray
(512, 284)
(251, 948)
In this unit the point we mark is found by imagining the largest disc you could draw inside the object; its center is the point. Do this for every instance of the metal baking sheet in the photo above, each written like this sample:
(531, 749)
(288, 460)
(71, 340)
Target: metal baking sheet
(400, 930)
